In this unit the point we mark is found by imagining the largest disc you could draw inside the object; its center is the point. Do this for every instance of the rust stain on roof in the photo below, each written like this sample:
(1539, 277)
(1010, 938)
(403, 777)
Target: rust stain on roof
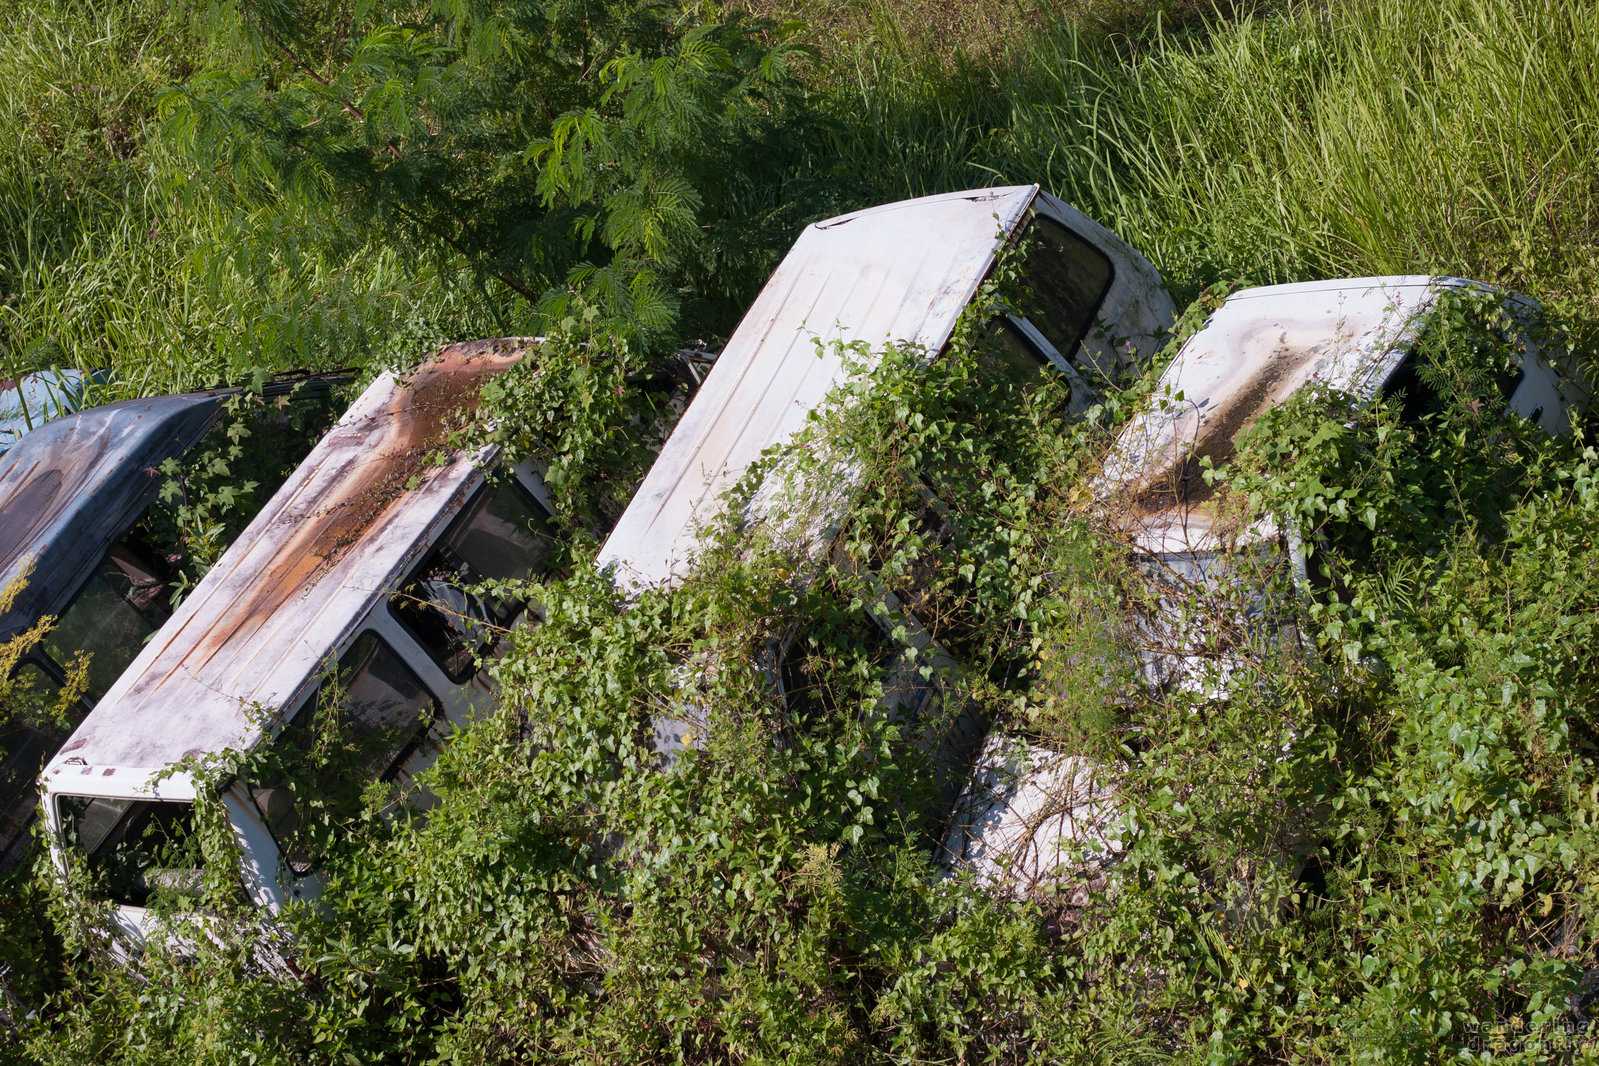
(1256, 350)
(1177, 480)
(330, 543)
(440, 396)
(405, 434)
(362, 467)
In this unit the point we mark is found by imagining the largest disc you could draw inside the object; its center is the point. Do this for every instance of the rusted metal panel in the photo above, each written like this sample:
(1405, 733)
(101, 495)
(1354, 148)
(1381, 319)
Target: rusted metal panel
(343, 530)
(1259, 348)
(74, 485)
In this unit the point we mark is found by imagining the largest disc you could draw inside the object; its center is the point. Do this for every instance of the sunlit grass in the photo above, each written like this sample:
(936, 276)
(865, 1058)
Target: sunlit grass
(110, 256)
(1455, 137)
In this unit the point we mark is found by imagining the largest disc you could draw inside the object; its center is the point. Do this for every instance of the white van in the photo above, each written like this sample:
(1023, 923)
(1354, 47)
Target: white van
(1022, 815)
(358, 561)
(900, 273)
(1357, 336)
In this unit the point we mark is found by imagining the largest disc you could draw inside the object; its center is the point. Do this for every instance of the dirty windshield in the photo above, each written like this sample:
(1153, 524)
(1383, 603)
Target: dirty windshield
(502, 536)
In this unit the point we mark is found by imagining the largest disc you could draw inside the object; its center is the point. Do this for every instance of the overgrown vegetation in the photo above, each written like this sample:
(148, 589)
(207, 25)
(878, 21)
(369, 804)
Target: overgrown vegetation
(29, 948)
(1375, 848)
(208, 496)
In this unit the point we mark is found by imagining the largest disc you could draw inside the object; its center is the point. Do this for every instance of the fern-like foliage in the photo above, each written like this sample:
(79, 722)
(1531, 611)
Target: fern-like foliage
(546, 148)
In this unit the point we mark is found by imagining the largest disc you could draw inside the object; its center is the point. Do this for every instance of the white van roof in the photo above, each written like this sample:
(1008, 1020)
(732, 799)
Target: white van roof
(350, 522)
(900, 272)
(1256, 350)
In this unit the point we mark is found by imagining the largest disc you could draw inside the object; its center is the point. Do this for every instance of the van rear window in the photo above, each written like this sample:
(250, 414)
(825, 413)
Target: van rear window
(1067, 279)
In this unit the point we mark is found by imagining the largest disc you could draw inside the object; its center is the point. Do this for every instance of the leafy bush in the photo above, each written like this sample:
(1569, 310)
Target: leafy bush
(546, 147)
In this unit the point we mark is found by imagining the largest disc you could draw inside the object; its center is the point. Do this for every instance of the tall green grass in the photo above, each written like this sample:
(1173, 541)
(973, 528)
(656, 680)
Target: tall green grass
(1379, 137)
(111, 256)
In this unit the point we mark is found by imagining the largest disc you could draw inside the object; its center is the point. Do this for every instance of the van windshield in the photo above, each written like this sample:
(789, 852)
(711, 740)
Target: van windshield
(503, 535)
(385, 712)
(134, 848)
(1067, 279)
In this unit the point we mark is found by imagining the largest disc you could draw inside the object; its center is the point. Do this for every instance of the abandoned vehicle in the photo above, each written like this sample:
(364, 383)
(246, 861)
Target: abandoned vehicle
(362, 559)
(1030, 816)
(900, 273)
(359, 559)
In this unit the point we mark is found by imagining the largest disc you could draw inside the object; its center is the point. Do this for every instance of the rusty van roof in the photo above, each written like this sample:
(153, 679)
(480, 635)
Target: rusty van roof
(75, 484)
(349, 523)
(900, 272)
(1256, 350)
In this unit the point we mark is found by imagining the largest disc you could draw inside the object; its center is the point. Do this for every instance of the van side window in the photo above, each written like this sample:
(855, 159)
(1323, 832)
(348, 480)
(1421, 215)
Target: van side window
(276, 801)
(386, 711)
(502, 535)
(809, 659)
(386, 707)
(26, 744)
(1012, 356)
(1068, 279)
(932, 588)
(134, 848)
(126, 599)
(934, 592)
(34, 691)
